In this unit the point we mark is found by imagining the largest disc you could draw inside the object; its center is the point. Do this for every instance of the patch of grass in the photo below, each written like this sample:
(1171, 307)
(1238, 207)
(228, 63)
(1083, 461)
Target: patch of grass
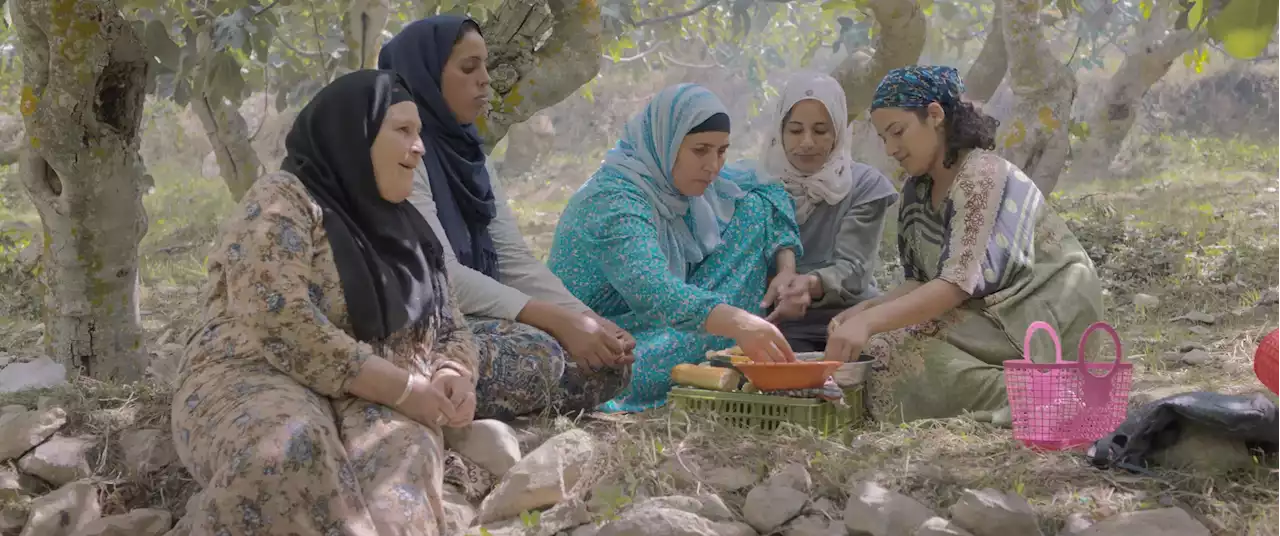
(185, 213)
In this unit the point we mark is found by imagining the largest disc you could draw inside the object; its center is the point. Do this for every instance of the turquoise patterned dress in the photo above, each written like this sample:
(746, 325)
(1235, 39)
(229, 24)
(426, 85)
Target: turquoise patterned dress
(607, 252)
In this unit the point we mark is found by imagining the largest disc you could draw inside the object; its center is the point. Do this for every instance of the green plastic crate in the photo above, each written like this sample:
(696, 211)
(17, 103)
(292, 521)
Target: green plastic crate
(766, 413)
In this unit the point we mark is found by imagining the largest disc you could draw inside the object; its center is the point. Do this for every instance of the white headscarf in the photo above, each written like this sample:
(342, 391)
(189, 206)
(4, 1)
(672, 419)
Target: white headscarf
(836, 178)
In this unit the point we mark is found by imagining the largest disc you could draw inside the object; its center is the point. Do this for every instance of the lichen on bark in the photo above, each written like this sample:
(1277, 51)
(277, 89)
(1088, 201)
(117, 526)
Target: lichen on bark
(528, 76)
(1035, 138)
(84, 79)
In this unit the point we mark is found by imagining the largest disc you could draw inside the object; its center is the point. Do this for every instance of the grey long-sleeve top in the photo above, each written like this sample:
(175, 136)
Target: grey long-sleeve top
(842, 247)
(521, 277)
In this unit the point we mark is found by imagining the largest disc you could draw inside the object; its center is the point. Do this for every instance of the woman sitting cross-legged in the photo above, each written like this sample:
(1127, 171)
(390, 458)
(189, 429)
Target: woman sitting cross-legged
(984, 256)
(658, 242)
(540, 348)
(840, 206)
(311, 400)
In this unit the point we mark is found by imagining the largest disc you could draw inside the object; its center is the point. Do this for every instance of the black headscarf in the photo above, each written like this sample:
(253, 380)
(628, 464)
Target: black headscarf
(460, 183)
(386, 253)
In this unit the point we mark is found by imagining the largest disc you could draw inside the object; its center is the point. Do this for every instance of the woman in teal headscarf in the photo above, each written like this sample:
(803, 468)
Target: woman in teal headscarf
(663, 245)
(983, 256)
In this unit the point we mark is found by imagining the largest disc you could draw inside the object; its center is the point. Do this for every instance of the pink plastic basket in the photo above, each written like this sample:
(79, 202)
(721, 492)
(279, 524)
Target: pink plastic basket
(1265, 361)
(1063, 405)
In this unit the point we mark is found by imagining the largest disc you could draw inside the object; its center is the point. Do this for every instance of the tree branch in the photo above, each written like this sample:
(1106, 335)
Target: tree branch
(703, 4)
(992, 63)
(638, 56)
(1113, 117)
(569, 58)
(898, 43)
(297, 51)
(680, 63)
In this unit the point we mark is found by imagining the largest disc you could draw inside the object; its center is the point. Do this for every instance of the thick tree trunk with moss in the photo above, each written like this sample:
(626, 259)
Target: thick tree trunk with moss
(898, 43)
(1157, 46)
(1035, 138)
(84, 78)
(527, 78)
(229, 136)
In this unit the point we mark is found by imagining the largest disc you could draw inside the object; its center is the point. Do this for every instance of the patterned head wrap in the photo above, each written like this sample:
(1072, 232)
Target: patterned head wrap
(918, 86)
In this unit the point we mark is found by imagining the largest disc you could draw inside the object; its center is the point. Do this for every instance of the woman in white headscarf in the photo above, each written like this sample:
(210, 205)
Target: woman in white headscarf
(840, 206)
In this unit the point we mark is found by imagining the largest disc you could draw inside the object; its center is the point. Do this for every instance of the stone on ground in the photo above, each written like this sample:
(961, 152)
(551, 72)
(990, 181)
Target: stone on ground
(1160, 522)
(38, 373)
(23, 431)
(147, 451)
(670, 522)
(491, 444)
(989, 512)
(64, 511)
(772, 504)
(60, 460)
(937, 526)
(543, 478)
(875, 511)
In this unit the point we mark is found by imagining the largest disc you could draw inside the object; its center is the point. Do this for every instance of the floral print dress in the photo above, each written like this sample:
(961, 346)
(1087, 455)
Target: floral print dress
(261, 417)
(995, 237)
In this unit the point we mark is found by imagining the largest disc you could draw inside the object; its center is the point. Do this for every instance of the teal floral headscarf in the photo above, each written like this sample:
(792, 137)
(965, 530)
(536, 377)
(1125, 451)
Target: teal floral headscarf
(918, 86)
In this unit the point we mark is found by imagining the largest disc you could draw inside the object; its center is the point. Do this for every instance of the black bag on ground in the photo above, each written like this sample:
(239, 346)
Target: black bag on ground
(1250, 419)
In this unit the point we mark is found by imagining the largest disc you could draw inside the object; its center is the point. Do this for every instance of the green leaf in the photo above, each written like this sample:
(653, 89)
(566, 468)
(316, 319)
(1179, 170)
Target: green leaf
(842, 5)
(262, 42)
(158, 43)
(1195, 15)
(1245, 27)
(1064, 7)
(949, 11)
(224, 79)
(232, 30)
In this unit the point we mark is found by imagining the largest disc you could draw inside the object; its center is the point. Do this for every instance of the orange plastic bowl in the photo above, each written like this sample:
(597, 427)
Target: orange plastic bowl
(782, 376)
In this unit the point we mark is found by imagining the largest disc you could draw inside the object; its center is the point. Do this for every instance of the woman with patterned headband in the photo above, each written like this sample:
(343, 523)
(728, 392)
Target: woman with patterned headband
(983, 256)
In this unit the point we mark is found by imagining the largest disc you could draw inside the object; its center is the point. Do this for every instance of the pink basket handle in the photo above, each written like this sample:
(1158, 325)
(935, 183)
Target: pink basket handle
(1031, 331)
(1084, 339)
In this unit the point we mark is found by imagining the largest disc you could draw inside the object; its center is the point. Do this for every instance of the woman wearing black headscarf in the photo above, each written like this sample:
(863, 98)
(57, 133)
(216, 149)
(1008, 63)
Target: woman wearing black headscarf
(525, 322)
(312, 398)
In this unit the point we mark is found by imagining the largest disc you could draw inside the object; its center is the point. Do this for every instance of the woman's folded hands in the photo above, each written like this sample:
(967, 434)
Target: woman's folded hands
(448, 398)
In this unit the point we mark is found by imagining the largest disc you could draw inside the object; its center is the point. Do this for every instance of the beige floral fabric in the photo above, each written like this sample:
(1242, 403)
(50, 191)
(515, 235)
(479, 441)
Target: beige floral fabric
(260, 416)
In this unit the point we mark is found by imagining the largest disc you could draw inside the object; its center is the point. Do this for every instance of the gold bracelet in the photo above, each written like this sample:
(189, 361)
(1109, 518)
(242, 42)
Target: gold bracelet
(408, 389)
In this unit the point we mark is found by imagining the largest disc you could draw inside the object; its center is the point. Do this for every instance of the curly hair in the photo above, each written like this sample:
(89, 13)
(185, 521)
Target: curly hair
(965, 127)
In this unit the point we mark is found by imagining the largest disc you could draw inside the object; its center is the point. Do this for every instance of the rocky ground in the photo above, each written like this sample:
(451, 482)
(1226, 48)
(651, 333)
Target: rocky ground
(62, 481)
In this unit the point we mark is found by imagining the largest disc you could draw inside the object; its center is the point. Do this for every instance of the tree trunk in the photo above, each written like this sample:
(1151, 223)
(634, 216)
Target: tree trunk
(1035, 138)
(84, 78)
(990, 66)
(898, 43)
(229, 136)
(1145, 63)
(11, 141)
(362, 27)
(526, 80)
